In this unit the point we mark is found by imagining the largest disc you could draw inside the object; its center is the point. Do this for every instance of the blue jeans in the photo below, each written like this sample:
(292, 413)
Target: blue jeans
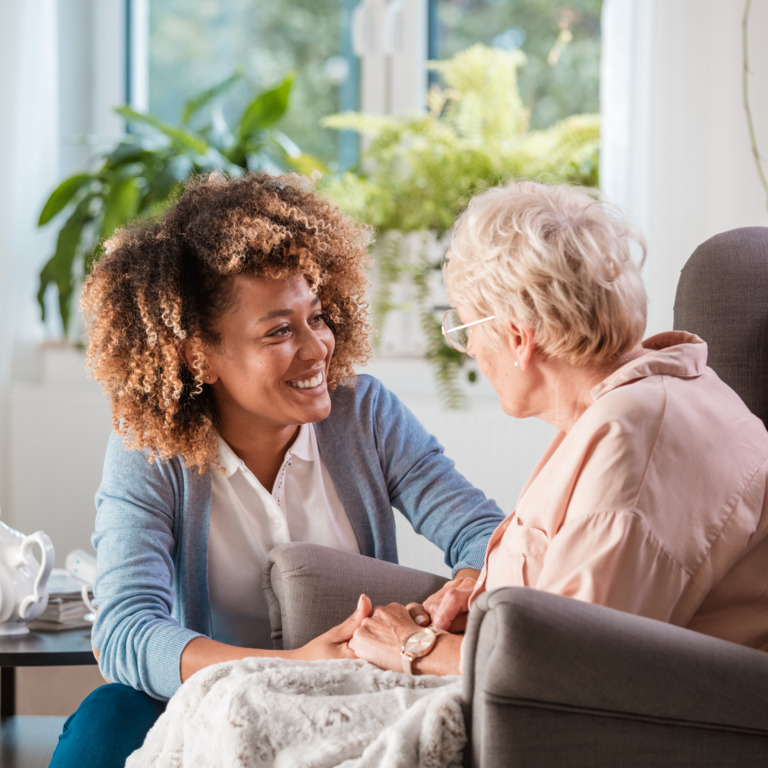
(111, 723)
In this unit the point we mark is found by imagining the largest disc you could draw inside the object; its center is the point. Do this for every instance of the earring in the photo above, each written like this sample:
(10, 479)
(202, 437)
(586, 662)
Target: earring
(515, 363)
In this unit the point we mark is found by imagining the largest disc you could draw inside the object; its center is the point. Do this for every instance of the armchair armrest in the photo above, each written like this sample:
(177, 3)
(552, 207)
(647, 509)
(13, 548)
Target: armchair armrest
(551, 680)
(310, 588)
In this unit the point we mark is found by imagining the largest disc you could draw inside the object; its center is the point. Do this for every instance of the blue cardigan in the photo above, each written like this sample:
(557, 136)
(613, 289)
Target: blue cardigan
(152, 527)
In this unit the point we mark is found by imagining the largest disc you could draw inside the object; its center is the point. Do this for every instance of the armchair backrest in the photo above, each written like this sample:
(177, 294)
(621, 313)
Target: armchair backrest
(722, 296)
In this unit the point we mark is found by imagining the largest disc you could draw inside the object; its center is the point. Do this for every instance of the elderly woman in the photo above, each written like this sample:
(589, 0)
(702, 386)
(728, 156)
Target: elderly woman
(652, 496)
(226, 335)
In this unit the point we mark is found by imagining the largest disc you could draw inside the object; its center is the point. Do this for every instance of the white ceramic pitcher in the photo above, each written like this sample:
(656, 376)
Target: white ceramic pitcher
(23, 578)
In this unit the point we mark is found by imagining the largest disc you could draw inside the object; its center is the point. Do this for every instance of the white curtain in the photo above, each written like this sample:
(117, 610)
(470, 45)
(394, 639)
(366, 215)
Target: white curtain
(625, 83)
(29, 138)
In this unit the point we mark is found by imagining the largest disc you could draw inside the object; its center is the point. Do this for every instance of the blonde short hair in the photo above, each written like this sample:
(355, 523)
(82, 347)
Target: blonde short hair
(553, 258)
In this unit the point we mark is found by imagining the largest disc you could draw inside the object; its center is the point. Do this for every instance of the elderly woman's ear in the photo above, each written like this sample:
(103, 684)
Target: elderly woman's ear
(522, 343)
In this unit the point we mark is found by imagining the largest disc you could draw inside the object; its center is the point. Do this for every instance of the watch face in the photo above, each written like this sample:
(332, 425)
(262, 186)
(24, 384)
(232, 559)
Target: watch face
(419, 642)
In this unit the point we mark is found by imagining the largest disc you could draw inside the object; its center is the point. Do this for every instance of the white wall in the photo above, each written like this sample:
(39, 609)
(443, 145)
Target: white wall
(704, 180)
(59, 434)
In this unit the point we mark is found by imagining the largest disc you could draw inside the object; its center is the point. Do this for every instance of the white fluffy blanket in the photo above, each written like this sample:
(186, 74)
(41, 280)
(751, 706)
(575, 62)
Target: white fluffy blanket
(307, 714)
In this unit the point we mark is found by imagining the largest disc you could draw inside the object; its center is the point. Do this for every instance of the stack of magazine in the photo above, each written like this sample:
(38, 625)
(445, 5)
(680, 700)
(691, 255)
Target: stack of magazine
(65, 609)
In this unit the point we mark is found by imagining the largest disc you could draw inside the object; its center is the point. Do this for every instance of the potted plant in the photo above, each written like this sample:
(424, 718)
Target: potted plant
(417, 173)
(146, 169)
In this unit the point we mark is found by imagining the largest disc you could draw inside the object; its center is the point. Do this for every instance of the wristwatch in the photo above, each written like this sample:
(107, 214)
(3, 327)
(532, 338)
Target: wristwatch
(418, 644)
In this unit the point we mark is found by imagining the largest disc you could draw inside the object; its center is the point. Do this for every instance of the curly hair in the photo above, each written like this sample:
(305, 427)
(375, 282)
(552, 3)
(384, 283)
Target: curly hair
(151, 303)
(555, 258)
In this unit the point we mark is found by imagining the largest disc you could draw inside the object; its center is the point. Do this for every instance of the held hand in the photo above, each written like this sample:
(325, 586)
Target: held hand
(334, 644)
(448, 607)
(379, 639)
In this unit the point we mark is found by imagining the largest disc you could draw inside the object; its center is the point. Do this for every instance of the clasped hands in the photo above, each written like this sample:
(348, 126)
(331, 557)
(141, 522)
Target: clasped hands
(377, 634)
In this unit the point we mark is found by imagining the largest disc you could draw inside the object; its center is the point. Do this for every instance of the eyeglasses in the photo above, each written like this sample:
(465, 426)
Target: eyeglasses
(456, 332)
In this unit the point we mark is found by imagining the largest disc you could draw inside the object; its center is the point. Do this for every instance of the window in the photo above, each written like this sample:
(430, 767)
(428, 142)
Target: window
(355, 54)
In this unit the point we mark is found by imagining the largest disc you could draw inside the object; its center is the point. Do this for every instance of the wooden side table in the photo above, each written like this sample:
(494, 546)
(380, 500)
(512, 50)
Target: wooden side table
(29, 741)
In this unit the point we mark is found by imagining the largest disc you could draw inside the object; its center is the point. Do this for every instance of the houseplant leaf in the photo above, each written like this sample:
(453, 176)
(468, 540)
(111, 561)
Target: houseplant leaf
(129, 150)
(160, 177)
(307, 164)
(62, 196)
(121, 204)
(59, 269)
(181, 139)
(266, 109)
(195, 104)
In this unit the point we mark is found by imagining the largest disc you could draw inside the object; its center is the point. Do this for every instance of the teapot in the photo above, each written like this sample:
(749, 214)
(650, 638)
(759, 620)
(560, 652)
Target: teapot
(23, 579)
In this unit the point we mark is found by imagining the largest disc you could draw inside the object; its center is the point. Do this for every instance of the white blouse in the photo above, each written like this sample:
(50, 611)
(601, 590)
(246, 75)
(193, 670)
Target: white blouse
(247, 521)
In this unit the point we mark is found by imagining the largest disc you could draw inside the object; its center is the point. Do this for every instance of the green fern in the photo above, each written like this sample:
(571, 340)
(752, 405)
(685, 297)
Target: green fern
(474, 79)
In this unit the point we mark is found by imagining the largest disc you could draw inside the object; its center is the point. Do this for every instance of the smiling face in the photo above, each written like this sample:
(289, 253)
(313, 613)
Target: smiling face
(269, 370)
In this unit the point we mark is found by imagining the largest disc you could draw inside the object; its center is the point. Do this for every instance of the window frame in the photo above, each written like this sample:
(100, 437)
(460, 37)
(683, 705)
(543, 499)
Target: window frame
(391, 39)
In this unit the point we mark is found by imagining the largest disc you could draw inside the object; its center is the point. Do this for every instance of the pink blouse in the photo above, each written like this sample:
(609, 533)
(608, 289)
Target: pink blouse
(653, 503)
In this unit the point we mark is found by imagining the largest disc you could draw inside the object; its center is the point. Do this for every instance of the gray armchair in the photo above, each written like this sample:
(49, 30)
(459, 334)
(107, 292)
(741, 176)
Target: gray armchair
(722, 296)
(551, 681)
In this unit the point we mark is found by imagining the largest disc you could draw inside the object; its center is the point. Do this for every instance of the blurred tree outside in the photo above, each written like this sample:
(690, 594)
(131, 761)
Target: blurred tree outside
(561, 40)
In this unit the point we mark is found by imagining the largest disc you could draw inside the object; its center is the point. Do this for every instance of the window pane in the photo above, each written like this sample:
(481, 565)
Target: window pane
(560, 39)
(192, 46)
